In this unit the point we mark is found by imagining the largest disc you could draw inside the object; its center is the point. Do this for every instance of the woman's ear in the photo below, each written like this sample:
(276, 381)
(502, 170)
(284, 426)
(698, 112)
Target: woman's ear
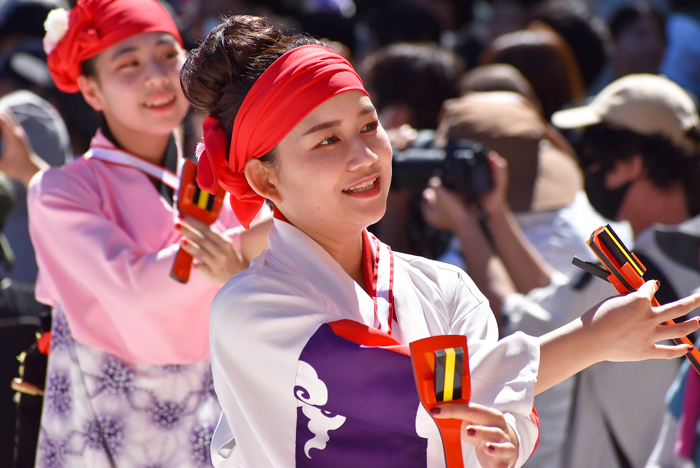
(625, 171)
(263, 179)
(91, 92)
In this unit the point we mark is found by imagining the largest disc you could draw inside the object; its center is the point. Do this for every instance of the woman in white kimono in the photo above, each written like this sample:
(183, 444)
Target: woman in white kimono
(129, 379)
(309, 343)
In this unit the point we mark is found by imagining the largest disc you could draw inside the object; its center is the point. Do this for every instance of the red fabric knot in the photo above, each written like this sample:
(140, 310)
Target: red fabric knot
(213, 170)
(212, 159)
(294, 85)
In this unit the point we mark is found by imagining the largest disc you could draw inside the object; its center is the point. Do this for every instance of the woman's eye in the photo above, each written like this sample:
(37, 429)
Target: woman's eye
(129, 64)
(328, 141)
(371, 126)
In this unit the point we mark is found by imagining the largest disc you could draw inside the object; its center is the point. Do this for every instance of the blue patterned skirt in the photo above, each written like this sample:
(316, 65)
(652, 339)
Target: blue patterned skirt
(100, 411)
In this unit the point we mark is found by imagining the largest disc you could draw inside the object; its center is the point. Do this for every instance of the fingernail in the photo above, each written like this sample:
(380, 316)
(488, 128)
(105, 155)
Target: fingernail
(181, 216)
(178, 226)
(658, 283)
(490, 447)
(471, 431)
(184, 242)
(436, 410)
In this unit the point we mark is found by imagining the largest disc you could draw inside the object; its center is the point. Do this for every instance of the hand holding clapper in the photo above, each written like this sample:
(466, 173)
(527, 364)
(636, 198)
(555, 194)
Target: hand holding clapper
(441, 370)
(200, 205)
(624, 271)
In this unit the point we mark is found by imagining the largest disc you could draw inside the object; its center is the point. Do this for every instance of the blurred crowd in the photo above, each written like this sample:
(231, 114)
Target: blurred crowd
(591, 107)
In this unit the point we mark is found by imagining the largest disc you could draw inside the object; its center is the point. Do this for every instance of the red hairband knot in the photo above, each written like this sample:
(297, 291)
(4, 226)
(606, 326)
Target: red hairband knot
(213, 169)
(294, 85)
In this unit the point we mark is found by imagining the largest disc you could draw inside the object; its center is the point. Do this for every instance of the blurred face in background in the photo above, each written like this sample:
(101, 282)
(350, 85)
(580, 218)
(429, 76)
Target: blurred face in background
(639, 47)
(507, 16)
(137, 85)
(444, 10)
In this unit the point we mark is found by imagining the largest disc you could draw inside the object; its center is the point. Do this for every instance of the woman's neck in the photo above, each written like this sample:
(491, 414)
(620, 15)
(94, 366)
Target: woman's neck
(148, 147)
(347, 251)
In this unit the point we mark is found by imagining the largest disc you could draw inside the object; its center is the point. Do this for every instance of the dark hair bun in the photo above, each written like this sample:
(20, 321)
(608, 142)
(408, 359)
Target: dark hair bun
(219, 73)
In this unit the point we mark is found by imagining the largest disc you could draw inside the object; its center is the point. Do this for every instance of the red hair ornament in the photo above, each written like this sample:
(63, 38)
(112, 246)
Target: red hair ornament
(294, 85)
(92, 26)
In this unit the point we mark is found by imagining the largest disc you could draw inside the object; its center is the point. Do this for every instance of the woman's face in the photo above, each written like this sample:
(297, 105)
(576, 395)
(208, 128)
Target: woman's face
(334, 168)
(137, 85)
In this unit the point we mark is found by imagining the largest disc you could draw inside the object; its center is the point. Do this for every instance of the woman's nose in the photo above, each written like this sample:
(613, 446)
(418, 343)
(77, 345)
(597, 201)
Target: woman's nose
(361, 155)
(156, 74)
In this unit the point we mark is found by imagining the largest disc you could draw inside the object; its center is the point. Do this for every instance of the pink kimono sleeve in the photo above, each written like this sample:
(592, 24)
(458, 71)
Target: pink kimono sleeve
(112, 282)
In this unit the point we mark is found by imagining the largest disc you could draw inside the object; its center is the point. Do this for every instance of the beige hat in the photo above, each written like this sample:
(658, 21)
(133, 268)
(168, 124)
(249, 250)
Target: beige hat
(543, 175)
(644, 104)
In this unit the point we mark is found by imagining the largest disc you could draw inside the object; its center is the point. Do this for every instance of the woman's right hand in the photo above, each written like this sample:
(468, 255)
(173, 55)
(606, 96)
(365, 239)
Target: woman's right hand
(18, 160)
(487, 430)
(215, 255)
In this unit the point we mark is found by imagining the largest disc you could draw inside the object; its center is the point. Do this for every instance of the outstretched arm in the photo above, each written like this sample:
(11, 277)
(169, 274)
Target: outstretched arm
(623, 328)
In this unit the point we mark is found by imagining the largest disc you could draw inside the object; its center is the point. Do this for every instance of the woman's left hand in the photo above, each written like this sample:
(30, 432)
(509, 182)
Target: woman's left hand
(487, 430)
(622, 328)
(216, 258)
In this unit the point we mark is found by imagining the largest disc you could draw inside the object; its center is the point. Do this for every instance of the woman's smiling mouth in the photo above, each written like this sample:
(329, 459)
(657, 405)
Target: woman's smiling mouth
(160, 101)
(361, 187)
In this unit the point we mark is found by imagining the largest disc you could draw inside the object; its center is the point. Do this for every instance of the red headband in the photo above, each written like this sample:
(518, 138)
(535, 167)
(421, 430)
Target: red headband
(294, 85)
(93, 26)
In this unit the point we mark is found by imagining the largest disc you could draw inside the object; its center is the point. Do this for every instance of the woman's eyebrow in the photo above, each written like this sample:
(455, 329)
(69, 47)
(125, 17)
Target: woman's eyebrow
(335, 123)
(322, 126)
(367, 110)
(163, 40)
(123, 51)
(166, 39)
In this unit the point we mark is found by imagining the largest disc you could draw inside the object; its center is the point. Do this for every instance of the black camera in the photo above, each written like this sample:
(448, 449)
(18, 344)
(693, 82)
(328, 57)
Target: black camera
(462, 165)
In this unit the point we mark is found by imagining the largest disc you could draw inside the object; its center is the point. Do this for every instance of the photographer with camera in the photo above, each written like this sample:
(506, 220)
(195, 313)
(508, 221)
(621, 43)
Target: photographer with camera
(545, 190)
(537, 222)
(639, 151)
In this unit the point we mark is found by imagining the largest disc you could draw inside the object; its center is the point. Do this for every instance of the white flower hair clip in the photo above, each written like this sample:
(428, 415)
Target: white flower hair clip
(199, 149)
(56, 26)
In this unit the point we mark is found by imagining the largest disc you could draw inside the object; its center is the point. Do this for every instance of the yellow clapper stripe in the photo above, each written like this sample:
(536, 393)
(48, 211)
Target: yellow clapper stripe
(449, 374)
(203, 199)
(624, 251)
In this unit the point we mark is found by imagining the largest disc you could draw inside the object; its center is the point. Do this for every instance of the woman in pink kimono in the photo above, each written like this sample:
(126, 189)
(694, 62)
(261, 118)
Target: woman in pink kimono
(129, 381)
(308, 344)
